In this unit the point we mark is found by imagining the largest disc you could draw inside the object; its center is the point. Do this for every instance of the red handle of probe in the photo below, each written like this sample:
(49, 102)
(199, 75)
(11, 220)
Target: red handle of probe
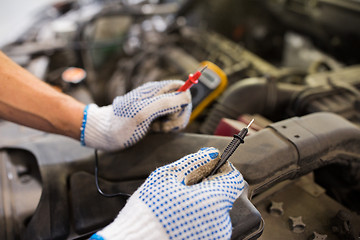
(192, 79)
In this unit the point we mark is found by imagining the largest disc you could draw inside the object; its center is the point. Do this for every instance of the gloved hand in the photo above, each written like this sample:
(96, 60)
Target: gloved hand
(167, 207)
(127, 120)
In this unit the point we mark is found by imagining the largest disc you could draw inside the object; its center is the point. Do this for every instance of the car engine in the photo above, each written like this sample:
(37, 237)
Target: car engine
(292, 65)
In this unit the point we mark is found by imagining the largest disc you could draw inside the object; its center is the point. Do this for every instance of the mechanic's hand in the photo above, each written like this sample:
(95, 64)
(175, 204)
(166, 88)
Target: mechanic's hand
(166, 206)
(127, 120)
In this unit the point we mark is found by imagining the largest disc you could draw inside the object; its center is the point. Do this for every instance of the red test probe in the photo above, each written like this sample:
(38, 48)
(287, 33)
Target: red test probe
(193, 79)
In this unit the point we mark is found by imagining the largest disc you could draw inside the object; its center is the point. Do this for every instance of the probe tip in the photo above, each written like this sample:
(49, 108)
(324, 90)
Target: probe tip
(250, 123)
(203, 68)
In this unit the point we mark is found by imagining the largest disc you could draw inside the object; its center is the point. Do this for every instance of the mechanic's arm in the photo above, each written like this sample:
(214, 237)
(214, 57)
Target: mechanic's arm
(170, 206)
(26, 100)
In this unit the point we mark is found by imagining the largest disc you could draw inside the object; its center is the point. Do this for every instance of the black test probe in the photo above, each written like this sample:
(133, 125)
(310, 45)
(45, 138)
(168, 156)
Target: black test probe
(230, 149)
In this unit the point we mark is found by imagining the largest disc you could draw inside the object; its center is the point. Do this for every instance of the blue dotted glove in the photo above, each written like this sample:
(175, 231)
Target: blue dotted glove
(166, 206)
(129, 118)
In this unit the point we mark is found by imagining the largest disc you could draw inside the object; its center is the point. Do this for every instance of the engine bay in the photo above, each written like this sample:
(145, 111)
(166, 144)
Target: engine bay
(291, 65)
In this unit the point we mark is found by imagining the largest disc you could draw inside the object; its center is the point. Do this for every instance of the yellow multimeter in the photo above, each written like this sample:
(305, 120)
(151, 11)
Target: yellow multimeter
(211, 84)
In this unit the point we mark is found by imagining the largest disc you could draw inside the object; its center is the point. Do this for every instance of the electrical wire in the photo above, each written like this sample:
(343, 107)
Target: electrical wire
(108, 195)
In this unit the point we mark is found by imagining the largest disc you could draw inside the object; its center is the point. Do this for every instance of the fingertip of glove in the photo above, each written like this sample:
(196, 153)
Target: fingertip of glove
(175, 81)
(96, 237)
(206, 158)
(212, 152)
(206, 148)
(213, 155)
(185, 93)
(209, 149)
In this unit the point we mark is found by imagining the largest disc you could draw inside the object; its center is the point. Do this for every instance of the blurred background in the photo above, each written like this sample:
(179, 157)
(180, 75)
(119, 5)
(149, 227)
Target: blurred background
(16, 16)
(282, 62)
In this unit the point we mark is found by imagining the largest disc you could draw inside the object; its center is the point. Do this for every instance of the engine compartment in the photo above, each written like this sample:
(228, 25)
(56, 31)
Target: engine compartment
(291, 64)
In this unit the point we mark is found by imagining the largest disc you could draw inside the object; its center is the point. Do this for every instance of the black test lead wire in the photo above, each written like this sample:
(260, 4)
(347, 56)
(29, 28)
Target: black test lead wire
(108, 195)
(230, 149)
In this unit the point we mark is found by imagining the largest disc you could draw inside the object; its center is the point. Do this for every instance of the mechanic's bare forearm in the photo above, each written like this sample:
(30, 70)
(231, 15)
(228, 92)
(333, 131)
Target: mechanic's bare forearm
(26, 100)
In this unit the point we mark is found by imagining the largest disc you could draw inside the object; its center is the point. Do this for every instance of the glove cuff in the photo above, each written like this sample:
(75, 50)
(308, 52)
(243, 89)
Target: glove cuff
(83, 124)
(135, 221)
(94, 126)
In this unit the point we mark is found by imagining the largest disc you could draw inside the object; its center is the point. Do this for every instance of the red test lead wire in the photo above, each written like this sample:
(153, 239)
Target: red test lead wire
(193, 79)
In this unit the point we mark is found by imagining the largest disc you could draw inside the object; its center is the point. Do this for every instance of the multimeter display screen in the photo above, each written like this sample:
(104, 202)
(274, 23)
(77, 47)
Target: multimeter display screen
(210, 79)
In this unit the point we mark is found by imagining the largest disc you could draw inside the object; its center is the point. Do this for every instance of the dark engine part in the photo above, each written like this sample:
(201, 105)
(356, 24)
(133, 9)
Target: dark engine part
(261, 95)
(336, 92)
(179, 54)
(330, 92)
(20, 179)
(70, 207)
(293, 209)
(325, 22)
(261, 25)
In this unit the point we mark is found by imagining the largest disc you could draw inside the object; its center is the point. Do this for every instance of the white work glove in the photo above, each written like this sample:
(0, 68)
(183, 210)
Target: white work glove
(167, 207)
(128, 119)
